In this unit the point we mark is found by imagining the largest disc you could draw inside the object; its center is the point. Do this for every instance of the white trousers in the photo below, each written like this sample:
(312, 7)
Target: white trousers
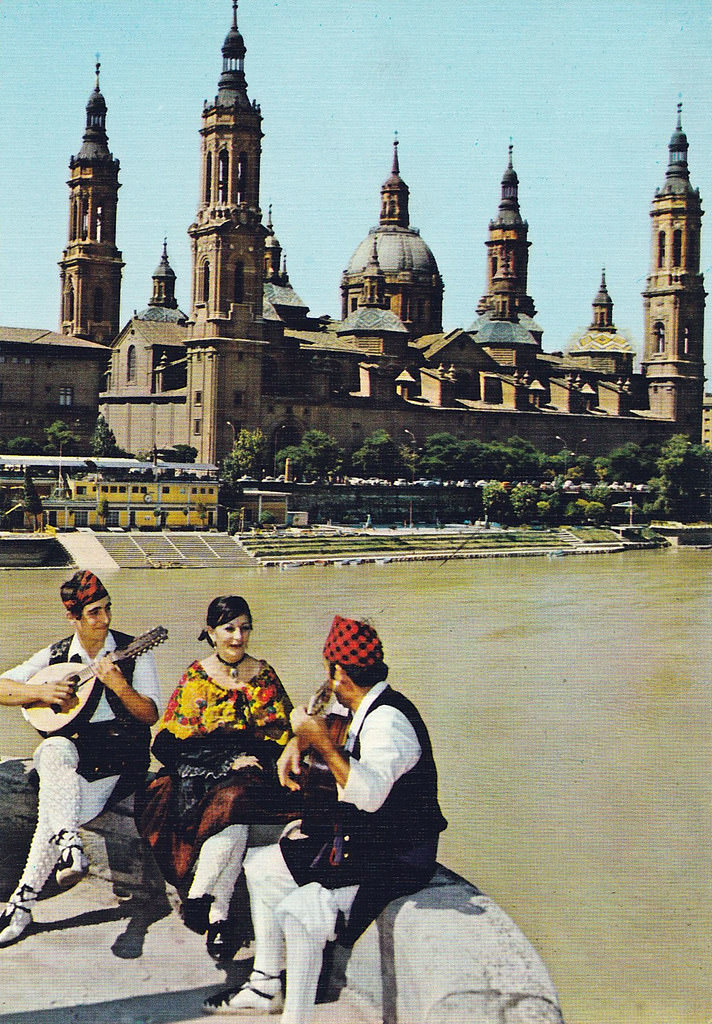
(218, 868)
(66, 801)
(302, 918)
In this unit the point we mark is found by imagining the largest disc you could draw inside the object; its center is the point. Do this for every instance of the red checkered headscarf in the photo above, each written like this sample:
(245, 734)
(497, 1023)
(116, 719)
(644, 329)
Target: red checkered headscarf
(352, 643)
(82, 589)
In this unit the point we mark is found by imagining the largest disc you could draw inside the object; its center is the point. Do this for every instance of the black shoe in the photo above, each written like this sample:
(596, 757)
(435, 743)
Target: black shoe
(221, 941)
(195, 913)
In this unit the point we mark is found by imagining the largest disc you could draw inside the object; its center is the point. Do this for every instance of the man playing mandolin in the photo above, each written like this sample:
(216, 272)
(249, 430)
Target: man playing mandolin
(374, 840)
(81, 762)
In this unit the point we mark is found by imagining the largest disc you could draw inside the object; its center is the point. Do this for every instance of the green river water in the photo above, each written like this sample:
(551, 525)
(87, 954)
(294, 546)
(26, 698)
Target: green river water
(570, 705)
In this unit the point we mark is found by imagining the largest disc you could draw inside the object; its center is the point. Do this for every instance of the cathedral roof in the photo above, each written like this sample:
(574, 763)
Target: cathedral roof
(398, 249)
(162, 314)
(372, 320)
(37, 336)
(594, 342)
(488, 331)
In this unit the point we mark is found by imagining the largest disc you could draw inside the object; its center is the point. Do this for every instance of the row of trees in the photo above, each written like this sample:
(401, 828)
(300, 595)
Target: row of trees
(677, 473)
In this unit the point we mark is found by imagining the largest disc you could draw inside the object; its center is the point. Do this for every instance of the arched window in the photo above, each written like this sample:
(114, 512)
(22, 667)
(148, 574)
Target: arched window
(75, 219)
(69, 304)
(686, 341)
(131, 363)
(661, 249)
(85, 218)
(494, 266)
(659, 335)
(98, 304)
(206, 282)
(242, 178)
(239, 289)
(99, 222)
(223, 167)
(677, 248)
(208, 177)
(693, 252)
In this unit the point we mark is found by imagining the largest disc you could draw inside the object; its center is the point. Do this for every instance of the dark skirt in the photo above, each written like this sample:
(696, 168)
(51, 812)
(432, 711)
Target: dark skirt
(247, 797)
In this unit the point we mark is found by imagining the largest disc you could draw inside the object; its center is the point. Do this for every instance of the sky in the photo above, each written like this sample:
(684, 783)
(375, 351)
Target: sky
(586, 91)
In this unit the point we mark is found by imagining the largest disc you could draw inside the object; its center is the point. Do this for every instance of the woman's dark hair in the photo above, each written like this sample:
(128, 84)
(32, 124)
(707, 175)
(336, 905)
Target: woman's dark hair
(222, 610)
(364, 676)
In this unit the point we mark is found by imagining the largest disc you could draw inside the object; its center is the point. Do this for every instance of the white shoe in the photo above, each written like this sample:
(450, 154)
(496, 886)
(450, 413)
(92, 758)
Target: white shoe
(250, 999)
(14, 922)
(72, 865)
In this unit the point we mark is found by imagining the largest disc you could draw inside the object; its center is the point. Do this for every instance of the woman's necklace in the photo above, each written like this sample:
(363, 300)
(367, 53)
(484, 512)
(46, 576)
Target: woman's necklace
(231, 666)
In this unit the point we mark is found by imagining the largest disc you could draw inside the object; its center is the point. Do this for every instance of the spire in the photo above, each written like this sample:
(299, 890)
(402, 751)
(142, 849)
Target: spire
(677, 175)
(273, 253)
(509, 203)
(232, 87)
(95, 143)
(164, 282)
(603, 308)
(374, 281)
(394, 195)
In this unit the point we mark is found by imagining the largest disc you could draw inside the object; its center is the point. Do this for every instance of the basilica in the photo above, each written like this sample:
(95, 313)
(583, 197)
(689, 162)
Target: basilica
(250, 354)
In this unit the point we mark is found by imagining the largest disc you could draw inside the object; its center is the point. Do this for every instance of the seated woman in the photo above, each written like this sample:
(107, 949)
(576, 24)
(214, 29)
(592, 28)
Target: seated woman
(223, 730)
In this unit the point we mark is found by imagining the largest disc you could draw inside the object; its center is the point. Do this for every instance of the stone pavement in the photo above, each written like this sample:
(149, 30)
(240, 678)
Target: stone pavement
(94, 958)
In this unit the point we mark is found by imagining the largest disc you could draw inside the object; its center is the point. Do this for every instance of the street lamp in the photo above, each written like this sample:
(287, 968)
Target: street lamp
(231, 425)
(411, 435)
(569, 450)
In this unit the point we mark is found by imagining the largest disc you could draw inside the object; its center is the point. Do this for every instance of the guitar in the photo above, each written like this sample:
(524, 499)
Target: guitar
(317, 783)
(50, 720)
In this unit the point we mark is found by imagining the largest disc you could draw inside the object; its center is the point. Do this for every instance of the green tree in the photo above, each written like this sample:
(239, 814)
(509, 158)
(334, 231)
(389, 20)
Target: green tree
(102, 510)
(23, 446)
(684, 472)
(442, 456)
(103, 440)
(496, 502)
(524, 498)
(61, 438)
(31, 501)
(378, 455)
(247, 458)
(317, 455)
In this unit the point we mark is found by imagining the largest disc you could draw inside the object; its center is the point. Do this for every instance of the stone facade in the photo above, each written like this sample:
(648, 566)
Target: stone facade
(249, 355)
(45, 377)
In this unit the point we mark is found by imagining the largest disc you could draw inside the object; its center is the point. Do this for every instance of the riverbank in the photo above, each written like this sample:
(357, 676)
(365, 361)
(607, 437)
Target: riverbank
(336, 546)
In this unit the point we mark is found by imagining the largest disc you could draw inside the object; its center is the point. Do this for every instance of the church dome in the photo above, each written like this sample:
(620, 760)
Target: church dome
(399, 250)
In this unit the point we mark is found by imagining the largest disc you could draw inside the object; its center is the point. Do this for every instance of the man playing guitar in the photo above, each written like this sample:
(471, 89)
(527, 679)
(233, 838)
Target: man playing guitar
(79, 767)
(375, 840)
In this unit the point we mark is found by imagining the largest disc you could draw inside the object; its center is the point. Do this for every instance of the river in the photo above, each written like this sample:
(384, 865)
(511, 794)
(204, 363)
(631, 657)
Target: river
(569, 702)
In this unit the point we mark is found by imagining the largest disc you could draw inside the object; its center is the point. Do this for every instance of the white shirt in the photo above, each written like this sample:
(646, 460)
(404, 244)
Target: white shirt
(389, 749)
(145, 677)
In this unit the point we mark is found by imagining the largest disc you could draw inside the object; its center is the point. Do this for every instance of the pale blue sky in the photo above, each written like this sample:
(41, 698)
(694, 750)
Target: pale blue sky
(586, 90)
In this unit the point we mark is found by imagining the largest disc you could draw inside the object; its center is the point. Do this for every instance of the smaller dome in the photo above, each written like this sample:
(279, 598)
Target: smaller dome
(600, 342)
(398, 249)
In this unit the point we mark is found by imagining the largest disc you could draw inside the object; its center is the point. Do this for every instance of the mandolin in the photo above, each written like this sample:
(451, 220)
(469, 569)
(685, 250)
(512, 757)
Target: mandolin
(51, 720)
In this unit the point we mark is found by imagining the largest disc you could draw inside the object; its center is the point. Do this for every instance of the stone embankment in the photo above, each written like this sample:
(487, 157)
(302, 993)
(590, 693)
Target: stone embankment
(445, 955)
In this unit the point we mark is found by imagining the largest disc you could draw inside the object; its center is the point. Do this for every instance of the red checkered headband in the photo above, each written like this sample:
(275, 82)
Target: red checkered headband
(82, 589)
(352, 643)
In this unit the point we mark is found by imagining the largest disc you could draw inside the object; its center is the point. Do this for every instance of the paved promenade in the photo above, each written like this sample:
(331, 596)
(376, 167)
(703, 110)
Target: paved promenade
(93, 958)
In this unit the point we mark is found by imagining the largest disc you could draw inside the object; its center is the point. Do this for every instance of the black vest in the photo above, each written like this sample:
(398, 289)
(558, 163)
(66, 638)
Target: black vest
(410, 815)
(119, 746)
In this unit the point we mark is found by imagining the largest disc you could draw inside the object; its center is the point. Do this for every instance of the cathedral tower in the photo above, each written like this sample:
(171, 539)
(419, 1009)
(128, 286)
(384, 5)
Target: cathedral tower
(508, 256)
(674, 298)
(91, 265)
(227, 235)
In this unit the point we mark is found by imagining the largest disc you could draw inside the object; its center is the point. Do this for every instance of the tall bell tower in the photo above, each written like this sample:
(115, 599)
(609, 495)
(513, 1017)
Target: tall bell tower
(507, 256)
(91, 265)
(227, 235)
(674, 297)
